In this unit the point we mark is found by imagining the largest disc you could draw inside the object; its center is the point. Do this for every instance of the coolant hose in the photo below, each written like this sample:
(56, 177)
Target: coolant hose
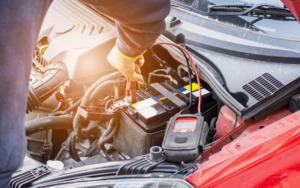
(53, 122)
(41, 89)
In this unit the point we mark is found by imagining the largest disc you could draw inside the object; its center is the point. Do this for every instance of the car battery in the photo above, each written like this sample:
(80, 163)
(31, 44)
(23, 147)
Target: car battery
(142, 124)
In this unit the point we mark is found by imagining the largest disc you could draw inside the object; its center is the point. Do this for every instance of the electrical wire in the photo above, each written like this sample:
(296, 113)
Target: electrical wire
(190, 80)
(194, 66)
(160, 70)
(189, 71)
(159, 75)
(153, 74)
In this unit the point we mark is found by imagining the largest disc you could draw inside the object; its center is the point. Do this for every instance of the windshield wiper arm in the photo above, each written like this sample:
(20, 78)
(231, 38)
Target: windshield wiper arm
(259, 8)
(247, 5)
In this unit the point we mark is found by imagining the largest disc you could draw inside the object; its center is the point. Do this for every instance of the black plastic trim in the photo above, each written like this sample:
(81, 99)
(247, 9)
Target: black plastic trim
(245, 113)
(252, 56)
(284, 93)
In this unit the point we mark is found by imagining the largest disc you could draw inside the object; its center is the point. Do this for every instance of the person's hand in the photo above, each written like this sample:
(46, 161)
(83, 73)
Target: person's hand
(129, 68)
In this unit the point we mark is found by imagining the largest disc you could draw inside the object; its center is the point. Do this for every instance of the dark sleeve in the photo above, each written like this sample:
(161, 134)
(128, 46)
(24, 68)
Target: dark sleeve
(20, 23)
(139, 22)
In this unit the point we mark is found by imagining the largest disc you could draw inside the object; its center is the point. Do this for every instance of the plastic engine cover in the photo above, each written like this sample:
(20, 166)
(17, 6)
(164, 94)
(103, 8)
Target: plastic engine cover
(80, 37)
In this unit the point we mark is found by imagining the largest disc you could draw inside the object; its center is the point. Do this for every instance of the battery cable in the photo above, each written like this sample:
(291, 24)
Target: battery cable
(190, 81)
(193, 64)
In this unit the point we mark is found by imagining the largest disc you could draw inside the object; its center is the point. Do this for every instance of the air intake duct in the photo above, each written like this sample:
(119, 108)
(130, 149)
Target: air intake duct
(40, 90)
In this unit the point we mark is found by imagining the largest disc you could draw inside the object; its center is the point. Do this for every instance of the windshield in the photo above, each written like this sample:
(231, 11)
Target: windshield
(272, 25)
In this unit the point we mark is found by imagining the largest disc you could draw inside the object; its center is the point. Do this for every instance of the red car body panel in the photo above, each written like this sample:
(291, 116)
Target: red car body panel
(259, 157)
(294, 7)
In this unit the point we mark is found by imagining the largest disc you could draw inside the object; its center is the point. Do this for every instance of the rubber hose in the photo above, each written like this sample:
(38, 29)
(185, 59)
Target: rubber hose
(212, 126)
(91, 149)
(105, 88)
(111, 131)
(72, 149)
(75, 105)
(109, 128)
(107, 103)
(78, 119)
(55, 75)
(53, 122)
(89, 92)
(72, 107)
(106, 138)
(94, 145)
(59, 113)
(213, 123)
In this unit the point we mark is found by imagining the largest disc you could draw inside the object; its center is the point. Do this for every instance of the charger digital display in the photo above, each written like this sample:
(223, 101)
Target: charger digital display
(185, 124)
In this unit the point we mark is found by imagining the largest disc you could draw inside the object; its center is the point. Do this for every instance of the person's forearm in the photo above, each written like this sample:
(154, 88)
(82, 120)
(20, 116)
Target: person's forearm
(20, 24)
(139, 22)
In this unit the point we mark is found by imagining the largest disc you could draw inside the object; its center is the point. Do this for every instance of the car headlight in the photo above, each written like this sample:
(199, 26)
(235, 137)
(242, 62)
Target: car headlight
(128, 183)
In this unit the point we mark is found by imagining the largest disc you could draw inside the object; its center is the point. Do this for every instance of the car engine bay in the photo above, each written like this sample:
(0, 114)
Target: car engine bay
(82, 112)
